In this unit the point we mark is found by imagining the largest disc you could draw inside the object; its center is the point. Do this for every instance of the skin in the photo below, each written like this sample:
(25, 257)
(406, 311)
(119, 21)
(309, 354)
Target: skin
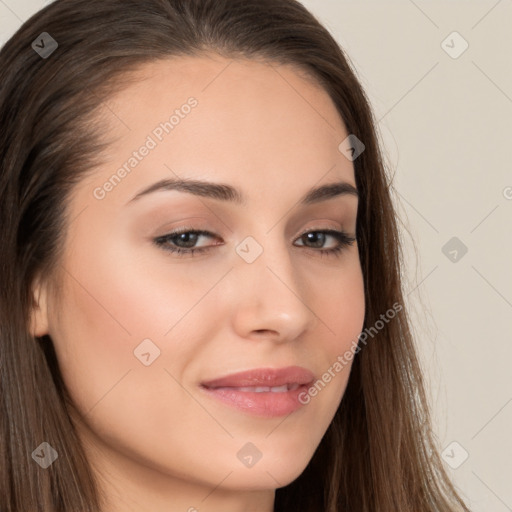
(156, 442)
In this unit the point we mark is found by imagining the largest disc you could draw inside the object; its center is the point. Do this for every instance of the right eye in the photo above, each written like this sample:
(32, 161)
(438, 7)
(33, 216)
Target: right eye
(171, 242)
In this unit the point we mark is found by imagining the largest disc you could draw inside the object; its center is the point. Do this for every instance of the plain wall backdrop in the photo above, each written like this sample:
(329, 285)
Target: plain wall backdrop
(439, 77)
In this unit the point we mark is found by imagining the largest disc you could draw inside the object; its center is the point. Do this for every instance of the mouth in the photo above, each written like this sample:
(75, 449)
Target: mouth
(264, 392)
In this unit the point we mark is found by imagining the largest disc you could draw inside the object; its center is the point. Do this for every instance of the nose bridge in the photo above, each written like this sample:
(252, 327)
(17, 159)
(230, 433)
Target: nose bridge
(270, 296)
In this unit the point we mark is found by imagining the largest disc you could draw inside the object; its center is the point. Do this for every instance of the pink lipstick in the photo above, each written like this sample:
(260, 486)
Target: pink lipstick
(266, 392)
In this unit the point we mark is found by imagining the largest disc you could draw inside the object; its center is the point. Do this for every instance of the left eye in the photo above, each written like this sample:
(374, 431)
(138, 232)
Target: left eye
(183, 241)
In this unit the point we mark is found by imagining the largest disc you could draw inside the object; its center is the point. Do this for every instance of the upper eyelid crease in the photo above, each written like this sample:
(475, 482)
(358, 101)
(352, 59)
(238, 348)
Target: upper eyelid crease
(225, 192)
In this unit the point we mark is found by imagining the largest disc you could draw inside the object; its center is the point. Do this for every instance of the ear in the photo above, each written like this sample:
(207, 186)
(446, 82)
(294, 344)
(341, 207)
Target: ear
(39, 313)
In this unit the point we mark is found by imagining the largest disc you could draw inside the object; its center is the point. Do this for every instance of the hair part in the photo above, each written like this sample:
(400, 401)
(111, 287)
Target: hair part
(379, 452)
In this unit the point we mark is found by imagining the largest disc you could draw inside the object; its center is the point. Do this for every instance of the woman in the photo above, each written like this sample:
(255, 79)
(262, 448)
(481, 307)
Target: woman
(201, 305)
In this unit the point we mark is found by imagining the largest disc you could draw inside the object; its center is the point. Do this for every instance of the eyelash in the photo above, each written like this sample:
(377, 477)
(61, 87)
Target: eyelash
(341, 236)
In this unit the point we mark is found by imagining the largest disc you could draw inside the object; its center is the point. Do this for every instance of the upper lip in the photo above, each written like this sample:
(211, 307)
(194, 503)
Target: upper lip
(270, 377)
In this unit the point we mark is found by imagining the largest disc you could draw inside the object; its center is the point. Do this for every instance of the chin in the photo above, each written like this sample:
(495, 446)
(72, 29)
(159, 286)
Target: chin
(271, 473)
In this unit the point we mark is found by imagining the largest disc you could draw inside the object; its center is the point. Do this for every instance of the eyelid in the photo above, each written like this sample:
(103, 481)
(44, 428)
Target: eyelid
(206, 232)
(182, 230)
(343, 238)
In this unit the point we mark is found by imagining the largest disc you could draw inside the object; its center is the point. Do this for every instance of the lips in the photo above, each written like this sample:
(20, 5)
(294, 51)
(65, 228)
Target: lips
(262, 380)
(264, 392)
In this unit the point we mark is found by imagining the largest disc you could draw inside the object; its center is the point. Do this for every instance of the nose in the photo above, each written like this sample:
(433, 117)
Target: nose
(270, 298)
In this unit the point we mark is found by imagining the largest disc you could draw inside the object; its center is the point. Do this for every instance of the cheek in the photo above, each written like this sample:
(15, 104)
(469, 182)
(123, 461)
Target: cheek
(99, 324)
(92, 340)
(117, 394)
(341, 306)
(113, 302)
(339, 302)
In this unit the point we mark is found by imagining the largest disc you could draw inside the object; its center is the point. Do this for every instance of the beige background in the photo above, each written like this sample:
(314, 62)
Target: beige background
(446, 125)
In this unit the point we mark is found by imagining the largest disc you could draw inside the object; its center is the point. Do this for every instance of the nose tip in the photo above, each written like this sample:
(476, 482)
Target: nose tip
(271, 303)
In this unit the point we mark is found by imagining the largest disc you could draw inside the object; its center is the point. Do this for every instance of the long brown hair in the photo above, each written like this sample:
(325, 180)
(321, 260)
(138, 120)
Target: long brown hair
(379, 453)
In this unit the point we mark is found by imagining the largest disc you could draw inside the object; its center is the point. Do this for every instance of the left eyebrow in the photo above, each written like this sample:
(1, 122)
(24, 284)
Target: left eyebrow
(225, 192)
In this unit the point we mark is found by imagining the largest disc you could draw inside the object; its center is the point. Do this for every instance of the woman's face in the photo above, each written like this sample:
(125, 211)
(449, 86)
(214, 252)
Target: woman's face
(139, 329)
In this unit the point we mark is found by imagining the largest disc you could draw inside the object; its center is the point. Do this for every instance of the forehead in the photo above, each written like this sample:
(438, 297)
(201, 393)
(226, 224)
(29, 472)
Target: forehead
(217, 78)
(254, 124)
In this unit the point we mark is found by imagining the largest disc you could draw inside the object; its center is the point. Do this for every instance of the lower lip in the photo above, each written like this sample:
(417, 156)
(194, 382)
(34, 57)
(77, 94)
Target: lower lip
(267, 403)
